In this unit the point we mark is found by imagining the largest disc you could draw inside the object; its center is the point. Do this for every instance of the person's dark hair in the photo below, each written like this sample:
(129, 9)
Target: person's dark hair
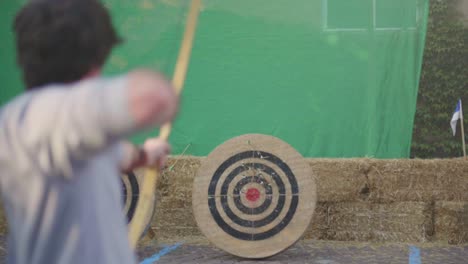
(60, 41)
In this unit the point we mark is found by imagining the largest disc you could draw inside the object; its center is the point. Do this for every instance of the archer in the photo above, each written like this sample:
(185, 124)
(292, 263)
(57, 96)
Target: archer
(62, 145)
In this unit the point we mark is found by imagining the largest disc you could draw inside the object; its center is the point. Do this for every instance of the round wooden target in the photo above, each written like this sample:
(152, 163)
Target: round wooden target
(254, 196)
(131, 192)
(131, 183)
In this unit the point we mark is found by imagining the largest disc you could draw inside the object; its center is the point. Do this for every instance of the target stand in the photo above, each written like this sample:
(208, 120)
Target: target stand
(254, 196)
(131, 183)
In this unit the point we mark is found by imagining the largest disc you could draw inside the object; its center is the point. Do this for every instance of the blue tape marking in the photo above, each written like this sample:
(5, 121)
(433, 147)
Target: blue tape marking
(414, 255)
(161, 253)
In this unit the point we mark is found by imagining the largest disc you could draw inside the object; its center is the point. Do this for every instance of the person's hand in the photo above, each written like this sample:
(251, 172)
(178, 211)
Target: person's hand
(156, 152)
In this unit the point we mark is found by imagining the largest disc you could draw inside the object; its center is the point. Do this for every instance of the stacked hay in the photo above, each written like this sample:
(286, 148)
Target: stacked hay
(341, 180)
(351, 209)
(451, 222)
(441, 183)
(3, 221)
(358, 199)
(173, 214)
(419, 180)
(365, 221)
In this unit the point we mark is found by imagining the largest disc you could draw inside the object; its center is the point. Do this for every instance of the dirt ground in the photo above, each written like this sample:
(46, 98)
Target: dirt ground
(310, 251)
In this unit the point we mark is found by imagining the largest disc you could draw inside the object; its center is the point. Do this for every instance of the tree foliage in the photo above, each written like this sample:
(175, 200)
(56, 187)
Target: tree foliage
(444, 79)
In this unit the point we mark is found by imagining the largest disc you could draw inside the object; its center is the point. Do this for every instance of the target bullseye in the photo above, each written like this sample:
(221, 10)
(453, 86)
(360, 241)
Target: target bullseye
(252, 201)
(254, 196)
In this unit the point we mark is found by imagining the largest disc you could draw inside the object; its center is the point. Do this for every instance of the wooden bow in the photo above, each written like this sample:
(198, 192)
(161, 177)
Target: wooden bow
(151, 175)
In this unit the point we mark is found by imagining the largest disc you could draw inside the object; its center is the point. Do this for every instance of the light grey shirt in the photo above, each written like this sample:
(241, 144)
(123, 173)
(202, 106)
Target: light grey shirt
(59, 173)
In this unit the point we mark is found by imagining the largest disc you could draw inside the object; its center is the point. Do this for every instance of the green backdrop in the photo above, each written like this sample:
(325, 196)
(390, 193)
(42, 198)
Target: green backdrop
(334, 78)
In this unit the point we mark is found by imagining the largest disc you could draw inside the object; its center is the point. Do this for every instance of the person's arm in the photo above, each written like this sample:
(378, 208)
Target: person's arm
(153, 153)
(152, 100)
(67, 126)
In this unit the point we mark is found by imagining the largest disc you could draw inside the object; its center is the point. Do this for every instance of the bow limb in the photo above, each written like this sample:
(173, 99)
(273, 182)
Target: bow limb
(151, 175)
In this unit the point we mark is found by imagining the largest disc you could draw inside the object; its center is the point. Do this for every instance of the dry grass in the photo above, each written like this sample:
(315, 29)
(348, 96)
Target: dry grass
(341, 180)
(419, 180)
(389, 181)
(358, 200)
(3, 221)
(365, 221)
(451, 222)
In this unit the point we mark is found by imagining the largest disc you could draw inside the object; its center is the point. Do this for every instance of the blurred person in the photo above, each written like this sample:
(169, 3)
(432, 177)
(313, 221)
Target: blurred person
(62, 146)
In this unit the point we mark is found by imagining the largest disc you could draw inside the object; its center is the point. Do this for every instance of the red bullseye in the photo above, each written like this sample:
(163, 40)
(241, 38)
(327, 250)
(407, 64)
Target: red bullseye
(253, 194)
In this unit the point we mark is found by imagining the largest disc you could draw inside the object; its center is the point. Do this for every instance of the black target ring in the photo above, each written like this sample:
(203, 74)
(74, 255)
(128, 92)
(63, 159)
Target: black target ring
(268, 219)
(134, 192)
(257, 210)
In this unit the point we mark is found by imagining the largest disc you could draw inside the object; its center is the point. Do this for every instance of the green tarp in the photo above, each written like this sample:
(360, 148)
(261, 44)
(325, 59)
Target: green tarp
(334, 78)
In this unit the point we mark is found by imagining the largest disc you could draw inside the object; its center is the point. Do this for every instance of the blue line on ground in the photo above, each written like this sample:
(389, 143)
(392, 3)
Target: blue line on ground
(161, 253)
(414, 255)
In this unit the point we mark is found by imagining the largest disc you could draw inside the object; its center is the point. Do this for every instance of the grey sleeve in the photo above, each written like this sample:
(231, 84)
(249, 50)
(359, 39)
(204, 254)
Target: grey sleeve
(71, 124)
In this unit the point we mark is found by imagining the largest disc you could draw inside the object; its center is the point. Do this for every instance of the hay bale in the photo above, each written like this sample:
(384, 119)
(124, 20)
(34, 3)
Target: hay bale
(350, 236)
(350, 217)
(178, 234)
(3, 221)
(364, 221)
(359, 199)
(356, 180)
(319, 225)
(388, 181)
(451, 222)
(341, 180)
(173, 213)
(165, 217)
(175, 185)
(174, 223)
(177, 179)
(418, 180)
